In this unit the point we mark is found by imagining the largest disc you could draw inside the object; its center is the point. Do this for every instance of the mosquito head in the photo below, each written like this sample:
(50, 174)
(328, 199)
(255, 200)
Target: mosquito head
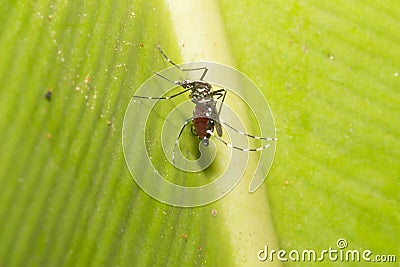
(205, 141)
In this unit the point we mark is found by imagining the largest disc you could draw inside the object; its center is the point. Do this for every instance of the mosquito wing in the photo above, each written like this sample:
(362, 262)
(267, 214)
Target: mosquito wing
(215, 117)
(218, 128)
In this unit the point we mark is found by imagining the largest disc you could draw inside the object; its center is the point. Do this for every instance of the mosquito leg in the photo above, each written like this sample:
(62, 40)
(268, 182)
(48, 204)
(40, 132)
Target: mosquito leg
(249, 135)
(236, 147)
(165, 78)
(219, 94)
(205, 69)
(164, 97)
(179, 136)
(193, 130)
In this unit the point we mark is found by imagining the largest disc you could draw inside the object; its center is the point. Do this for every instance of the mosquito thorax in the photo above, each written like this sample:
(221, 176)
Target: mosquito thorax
(200, 90)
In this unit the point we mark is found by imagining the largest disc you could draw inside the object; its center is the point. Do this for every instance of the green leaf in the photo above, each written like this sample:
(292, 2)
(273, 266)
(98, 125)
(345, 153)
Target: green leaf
(328, 69)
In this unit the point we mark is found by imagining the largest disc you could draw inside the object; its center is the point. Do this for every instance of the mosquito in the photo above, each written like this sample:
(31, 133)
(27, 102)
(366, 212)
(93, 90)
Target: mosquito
(206, 114)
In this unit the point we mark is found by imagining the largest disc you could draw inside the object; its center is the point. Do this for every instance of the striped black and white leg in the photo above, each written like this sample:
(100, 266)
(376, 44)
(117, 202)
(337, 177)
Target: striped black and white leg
(220, 93)
(236, 147)
(249, 135)
(179, 136)
(163, 97)
(205, 69)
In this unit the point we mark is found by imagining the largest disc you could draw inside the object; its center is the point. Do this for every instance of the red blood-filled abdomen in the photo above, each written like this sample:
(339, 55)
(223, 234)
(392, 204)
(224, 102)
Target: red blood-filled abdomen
(200, 125)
